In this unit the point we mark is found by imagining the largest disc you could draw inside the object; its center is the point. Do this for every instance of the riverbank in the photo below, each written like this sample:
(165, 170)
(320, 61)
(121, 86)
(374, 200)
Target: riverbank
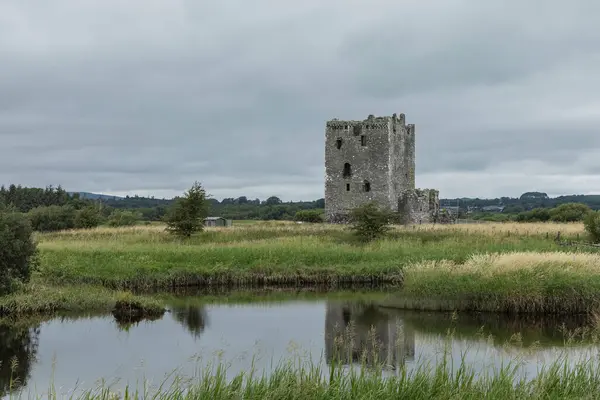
(476, 267)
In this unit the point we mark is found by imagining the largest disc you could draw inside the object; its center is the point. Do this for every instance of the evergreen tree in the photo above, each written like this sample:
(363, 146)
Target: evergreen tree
(186, 216)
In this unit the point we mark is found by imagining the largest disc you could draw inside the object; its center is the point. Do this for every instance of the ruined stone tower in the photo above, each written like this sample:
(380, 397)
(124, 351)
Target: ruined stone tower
(374, 160)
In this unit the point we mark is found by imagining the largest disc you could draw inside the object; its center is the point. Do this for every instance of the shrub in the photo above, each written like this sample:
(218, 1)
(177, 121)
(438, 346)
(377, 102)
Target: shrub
(569, 212)
(186, 215)
(592, 226)
(52, 218)
(309, 216)
(17, 249)
(370, 221)
(123, 218)
(538, 215)
(87, 217)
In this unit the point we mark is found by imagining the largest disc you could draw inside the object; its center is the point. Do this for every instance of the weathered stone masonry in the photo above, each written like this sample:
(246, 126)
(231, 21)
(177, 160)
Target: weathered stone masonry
(374, 160)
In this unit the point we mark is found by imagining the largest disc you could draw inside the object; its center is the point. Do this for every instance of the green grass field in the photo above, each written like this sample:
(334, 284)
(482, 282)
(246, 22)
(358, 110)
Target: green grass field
(255, 253)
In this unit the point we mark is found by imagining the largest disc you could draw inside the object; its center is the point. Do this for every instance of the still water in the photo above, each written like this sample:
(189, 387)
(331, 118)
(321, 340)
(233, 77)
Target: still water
(76, 352)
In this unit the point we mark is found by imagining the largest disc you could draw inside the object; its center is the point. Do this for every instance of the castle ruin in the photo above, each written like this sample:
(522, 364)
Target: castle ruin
(374, 160)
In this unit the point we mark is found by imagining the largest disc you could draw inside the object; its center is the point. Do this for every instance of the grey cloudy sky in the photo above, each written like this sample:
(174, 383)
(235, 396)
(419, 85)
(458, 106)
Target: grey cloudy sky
(146, 96)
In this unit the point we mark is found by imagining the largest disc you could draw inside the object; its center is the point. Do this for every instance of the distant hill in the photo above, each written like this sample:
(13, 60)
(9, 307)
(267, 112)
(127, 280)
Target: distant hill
(96, 196)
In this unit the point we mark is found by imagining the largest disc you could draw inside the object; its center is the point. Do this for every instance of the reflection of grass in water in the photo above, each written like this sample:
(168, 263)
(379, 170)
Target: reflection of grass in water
(527, 330)
(295, 378)
(273, 295)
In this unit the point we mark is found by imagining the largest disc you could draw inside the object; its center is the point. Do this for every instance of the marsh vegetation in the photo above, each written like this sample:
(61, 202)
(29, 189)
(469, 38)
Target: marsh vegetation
(134, 272)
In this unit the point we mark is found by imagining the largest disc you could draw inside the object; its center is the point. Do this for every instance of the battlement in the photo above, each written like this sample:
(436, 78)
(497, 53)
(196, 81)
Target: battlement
(370, 123)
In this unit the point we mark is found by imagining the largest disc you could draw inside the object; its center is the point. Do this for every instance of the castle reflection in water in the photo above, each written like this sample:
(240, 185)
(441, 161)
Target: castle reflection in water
(364, 333)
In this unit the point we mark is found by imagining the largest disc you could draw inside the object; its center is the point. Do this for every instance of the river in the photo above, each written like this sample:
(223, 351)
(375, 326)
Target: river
(76, 352)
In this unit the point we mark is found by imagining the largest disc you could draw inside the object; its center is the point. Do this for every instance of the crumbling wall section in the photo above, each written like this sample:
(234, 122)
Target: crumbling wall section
(418, 206)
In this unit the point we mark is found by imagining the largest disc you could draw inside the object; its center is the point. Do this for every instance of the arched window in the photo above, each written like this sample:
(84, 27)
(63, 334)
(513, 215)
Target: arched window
(347, 170)
(338, 143)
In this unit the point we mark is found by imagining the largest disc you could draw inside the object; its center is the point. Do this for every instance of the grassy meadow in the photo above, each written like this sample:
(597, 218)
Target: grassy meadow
(504, 267)
(146, 257)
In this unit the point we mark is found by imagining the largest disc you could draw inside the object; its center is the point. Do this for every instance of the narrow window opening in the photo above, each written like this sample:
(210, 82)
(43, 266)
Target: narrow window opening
(363, 140)
(357, 129)
(347, 170)
(338, 143)
(367, 186)
(347, 187)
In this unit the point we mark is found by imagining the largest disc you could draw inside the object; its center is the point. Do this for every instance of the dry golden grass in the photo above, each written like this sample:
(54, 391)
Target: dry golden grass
(514, 282)
(503, 228)
(505, 263)
(157, 232)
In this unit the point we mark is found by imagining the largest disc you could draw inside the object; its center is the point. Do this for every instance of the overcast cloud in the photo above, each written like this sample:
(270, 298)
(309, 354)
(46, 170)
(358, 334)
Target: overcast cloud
(146, 96)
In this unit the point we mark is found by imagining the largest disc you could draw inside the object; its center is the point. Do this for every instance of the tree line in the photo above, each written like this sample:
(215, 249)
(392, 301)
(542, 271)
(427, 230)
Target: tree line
(526, 202)
(240, 208)
(273, 208)
(78, 210)
(567, 212)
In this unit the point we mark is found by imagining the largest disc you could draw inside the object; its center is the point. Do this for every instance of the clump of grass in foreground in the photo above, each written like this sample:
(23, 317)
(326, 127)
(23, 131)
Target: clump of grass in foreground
(552, 282)
(39, 299)
(292, 380)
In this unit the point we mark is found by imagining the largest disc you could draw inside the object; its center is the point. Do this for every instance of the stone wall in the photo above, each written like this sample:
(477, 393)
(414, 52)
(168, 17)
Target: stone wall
(418, 206)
